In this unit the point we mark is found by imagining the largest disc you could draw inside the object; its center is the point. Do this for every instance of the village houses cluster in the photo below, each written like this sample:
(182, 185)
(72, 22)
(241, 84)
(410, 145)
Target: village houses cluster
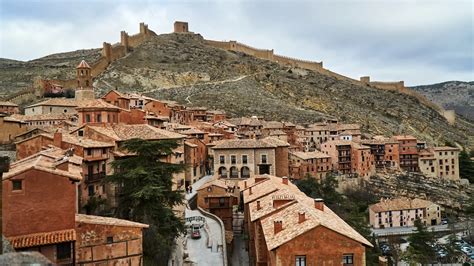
(65, 146)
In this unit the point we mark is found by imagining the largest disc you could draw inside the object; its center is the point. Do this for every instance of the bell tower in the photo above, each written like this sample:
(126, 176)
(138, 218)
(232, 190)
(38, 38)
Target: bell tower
(83, 74)
(84, 89)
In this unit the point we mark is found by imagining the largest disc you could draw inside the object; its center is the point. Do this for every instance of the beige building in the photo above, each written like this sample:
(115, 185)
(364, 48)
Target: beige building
(52, 106)
(440, 162)
(401, 212)
(318, 133)
(244, 158)
(10, 128)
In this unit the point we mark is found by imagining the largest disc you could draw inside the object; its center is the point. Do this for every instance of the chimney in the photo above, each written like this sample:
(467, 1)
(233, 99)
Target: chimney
(58, 139)
(285, 180)
(278, 226)
(258, 205)
(319, 204)
(301, 217)
(250, 190)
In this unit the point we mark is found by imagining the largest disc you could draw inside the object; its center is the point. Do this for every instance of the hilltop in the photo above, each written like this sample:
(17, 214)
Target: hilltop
(455, 95)
(183, 67)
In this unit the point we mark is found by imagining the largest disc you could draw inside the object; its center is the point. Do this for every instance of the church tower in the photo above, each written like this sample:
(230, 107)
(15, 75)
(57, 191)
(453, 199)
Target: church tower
(84, 89)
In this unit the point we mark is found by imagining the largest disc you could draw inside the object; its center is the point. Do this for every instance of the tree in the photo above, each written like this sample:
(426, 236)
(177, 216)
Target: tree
(466, 166)
(146, 195)
(422, 245)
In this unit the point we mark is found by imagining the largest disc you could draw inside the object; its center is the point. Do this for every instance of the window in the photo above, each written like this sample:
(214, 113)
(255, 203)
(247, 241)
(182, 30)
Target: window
(244, 159)
(90, 190)
(99, 118)
(221, 202)
(222, 159)
(80, 133)
(264, 158)
(88, 118)
(104, 150)
(89, 151)
(233, 159)
(348, 259)
(51, 109)
(300, 261)
(63, 251)
(110, 239)
(17, 184)
(65, 110)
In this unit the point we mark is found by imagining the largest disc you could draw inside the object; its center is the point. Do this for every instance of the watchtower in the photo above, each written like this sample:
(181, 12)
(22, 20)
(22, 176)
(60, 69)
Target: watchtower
(180, 26)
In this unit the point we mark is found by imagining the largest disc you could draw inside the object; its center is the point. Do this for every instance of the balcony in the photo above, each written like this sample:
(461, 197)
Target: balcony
(95, 177)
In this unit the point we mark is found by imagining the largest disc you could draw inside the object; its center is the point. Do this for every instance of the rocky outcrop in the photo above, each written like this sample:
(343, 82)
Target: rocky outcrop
(448, 194)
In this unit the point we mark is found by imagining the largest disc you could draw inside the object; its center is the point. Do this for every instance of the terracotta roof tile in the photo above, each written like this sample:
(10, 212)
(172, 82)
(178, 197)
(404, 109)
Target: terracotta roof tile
(310, 155)
(400, 204)
(121, 132)
(56, 102)
(6, 103)
(92, 219)
(83, 64)
(46, 238)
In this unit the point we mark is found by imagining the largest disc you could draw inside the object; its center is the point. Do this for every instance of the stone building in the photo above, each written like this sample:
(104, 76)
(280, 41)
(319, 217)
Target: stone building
(219, 197)
(8, 108)
(116, 134)
(400, 212)
(95, 164)
(52, 106)
(39, 204)
(108, 241)
(285, 226)
(385, 152)
(315, 164)
(47, 120)
(10, 128)
(349, 157)
(244, 158)
(318, 133)
(408, 151)
(440, 162)
(45, 184)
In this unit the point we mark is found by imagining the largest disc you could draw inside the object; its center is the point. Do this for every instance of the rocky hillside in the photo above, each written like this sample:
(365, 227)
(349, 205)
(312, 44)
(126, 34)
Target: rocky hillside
(182, 67)
(455, 95)
(16, 75)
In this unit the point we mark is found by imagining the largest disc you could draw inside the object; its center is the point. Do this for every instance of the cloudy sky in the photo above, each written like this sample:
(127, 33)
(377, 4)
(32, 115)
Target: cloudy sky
(419, 41)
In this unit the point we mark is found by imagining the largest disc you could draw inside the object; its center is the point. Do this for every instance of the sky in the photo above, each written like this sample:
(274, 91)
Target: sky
(418, 41)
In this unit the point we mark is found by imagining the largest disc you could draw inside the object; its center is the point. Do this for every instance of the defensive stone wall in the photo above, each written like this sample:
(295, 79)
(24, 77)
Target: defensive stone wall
(265, 54)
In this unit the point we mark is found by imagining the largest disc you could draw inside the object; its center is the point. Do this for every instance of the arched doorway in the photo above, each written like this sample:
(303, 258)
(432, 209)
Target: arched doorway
(222, 172)
(234, 173)
(245, 172)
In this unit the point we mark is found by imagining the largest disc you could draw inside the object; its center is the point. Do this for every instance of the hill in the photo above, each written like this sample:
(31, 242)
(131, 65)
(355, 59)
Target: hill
(184, 68)
(16, 75)
(455, 95)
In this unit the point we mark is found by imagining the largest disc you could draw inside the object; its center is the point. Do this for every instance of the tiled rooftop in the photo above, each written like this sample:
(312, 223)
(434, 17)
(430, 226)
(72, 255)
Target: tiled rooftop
(249, 143)
(92, 219)
(310, 155)
(122, 132)
(40, 239)
(47, 161)
(273, 188)
(399, 204)
(6, 103)
(68, 102)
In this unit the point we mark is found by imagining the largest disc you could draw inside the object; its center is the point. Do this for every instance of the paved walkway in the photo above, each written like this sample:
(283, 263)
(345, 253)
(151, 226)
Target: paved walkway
(198, 250)
(197, 185)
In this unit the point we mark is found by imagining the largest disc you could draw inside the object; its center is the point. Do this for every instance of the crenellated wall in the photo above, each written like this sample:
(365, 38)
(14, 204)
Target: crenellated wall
(265, 54)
